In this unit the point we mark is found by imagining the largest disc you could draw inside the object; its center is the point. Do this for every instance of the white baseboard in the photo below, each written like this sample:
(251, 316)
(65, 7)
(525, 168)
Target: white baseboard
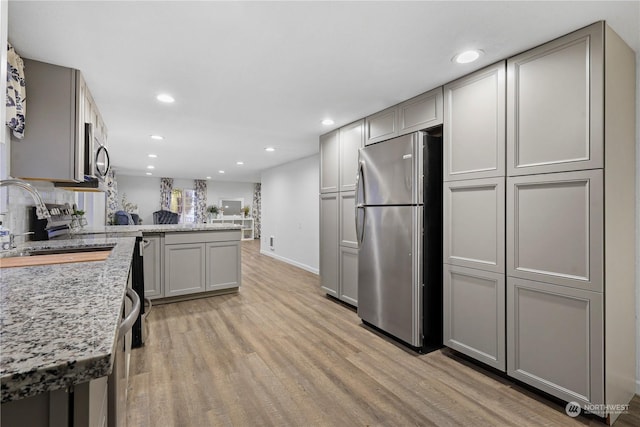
(290, 261)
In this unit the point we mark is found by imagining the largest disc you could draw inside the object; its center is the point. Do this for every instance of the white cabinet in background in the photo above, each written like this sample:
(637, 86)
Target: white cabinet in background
(474, 125)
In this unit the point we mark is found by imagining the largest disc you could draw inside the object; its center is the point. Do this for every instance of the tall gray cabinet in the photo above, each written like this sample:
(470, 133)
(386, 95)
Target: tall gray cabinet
(474, 215)
(551, 263)
(338, 246)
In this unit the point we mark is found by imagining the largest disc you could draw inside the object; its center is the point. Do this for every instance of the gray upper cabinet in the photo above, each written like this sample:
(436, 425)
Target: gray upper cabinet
(474, 314)
(474, 223)
(351, 140)
(53, 144)
(381, 126)
(422, 112)
(329, 232)
(555, 104)
(474, 126)
(329, 162)
(152, 263)
(555, 228)
(555, 339)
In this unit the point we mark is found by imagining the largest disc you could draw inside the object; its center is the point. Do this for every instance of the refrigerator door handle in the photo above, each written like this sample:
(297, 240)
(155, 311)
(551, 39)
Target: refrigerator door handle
(360, 184)
(360, 223)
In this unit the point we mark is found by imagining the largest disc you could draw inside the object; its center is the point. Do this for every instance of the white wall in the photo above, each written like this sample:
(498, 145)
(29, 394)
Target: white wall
(145, 192)
(290, 213)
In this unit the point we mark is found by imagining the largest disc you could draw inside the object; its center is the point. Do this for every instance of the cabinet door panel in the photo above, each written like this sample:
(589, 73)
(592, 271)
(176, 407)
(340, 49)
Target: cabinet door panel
(555, 339)
(554, 105)
(223, 265)
(474, 306)
(184, 269)
(474, 224)
(422, 112)
(349, 275)
(348, 219)
(474, 129)
(555, 228)
(152, 261)
(329, 235)
(329, 162)
(382, 125)
(351, 140)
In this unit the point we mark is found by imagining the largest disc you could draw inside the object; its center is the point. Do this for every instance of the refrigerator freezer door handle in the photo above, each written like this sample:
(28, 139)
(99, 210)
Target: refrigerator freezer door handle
(360, 223)
(360, 184)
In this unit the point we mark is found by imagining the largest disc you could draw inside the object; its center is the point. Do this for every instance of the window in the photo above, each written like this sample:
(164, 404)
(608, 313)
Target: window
(183, 202)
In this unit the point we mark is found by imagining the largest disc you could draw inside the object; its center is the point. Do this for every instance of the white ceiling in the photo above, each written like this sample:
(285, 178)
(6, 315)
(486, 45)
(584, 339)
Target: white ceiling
(246, 75)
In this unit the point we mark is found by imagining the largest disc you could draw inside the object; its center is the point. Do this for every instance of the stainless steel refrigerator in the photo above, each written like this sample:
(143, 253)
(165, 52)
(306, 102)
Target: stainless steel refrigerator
(399, 231)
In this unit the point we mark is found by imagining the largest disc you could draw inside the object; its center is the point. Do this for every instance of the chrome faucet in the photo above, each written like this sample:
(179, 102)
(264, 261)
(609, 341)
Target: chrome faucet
(41, 209)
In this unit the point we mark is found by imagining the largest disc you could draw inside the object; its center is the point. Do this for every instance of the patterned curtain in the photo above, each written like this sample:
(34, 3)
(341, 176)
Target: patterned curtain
(166, 185)
(112, 204)
(256, 210)
(200, 200)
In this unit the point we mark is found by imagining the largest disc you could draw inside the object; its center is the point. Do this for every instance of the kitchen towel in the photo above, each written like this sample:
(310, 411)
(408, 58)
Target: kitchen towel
(16, 93)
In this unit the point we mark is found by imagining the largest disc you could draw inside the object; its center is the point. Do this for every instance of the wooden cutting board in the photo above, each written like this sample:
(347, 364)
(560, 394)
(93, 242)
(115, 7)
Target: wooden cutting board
(26, 261)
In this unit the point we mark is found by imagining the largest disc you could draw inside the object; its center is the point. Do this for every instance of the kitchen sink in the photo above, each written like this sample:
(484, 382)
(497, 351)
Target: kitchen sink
(55, 251)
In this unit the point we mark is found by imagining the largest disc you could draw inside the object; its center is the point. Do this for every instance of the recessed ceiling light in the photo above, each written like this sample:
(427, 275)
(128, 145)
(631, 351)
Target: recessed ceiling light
(151, 167)
(467, 56)
(208, 177)
(327, 122)
(166, 98)
(220, 171)
(153, 156)
(269, 149)
(239, 163)
(157, 137)
(149, 173)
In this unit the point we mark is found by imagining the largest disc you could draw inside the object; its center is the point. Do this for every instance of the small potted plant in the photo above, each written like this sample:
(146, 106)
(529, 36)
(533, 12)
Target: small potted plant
(213, 211)
(246, 210)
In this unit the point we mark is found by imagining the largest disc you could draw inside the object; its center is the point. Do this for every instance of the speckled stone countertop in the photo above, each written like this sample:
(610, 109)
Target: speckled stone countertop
(158, 228)
(58, 323)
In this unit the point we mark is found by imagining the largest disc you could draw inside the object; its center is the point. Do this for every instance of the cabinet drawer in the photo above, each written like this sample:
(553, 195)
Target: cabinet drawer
(474, 129)
(422, 112)
(474, 224)
(381, 126)
(555, 228)
(555, 339)
(201, 236)
(555, 98)
(474, 323)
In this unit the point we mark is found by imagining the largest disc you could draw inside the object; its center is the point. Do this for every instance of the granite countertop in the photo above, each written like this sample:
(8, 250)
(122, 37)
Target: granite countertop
(158, 228)
(59, 323)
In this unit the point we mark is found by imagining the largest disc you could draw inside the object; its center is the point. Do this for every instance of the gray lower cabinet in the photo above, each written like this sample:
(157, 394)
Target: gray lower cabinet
(349, 275)
(555, 228)
(555, 339)
(152, 261)
(184, 269)
(473, 221)
(474, 314)
(222, 265)
(329, 235)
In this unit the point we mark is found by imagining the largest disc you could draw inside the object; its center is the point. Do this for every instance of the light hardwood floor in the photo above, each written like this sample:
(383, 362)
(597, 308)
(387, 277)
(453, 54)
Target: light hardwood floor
(281, 353)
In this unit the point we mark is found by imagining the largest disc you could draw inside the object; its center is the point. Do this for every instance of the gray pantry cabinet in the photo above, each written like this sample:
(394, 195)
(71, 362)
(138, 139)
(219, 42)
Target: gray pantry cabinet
(152, 260)
(571, 216)
(421, 112)
(474, 215)
(338, 253)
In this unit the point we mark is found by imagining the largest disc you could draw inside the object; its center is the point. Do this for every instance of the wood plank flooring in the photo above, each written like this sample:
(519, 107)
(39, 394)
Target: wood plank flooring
(281, 353)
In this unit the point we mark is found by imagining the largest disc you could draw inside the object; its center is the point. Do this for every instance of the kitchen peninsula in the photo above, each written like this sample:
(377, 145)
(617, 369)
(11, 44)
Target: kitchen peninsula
(184, 261)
